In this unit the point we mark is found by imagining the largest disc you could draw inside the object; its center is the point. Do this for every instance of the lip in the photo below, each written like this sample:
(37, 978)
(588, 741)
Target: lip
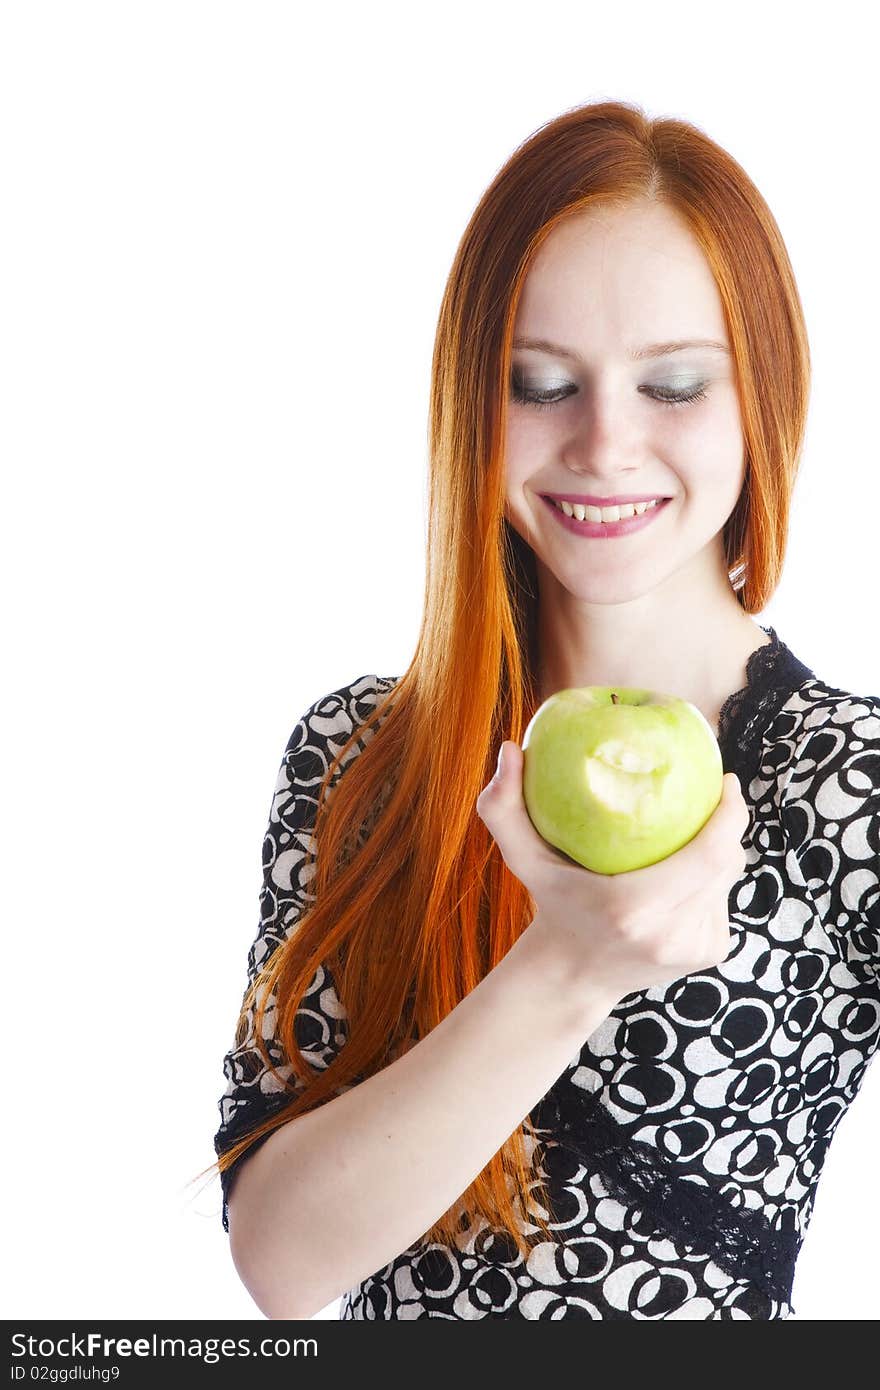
(602, 530)
(586, 500)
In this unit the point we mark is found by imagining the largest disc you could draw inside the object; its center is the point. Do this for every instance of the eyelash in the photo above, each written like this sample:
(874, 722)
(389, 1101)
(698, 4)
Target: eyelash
(533, 398)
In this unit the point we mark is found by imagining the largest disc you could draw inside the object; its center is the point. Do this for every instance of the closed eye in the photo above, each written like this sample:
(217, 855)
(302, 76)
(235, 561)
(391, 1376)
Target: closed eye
(545, 400)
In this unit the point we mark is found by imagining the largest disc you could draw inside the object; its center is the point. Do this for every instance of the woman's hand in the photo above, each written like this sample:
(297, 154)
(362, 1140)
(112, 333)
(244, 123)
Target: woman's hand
(624, 932)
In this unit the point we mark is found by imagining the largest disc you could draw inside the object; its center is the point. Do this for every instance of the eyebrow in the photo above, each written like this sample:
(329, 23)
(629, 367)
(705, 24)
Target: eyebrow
(647, 350)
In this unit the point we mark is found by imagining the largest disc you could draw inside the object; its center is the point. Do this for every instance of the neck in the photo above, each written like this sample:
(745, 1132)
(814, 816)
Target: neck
(695, 649)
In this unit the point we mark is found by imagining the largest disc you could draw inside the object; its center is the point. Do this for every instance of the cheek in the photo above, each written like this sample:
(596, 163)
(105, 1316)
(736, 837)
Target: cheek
(723, 474)
(521, 462)
(710, 458)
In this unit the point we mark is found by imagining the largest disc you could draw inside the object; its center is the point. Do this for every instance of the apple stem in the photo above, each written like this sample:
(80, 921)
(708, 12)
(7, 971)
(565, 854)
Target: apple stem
(614, 699)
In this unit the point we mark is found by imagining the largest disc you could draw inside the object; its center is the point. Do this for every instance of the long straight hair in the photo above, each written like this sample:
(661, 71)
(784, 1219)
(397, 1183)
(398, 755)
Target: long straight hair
(412, 902)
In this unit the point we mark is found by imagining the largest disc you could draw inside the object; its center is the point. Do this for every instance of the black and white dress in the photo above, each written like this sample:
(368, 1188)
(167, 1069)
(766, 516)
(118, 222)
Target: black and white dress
(684, 1143)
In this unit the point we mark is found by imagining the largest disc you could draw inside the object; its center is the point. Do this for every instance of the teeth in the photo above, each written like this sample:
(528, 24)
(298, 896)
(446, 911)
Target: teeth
(582, 513)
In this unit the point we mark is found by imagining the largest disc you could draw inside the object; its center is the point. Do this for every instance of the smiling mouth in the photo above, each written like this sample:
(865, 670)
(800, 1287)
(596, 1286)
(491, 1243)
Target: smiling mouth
(607, 511)
(606, 522)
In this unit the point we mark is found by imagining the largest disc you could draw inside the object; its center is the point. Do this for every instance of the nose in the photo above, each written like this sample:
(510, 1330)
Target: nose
(603, 446)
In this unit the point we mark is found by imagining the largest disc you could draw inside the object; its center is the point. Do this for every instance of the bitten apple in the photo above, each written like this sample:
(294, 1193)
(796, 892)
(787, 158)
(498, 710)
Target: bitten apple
(619, 778)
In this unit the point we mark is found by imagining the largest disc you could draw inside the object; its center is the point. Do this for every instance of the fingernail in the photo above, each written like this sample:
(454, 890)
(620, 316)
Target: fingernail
(499, 770)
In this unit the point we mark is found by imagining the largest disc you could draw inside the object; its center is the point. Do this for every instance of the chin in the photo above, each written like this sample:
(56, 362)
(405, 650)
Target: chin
(602, 589)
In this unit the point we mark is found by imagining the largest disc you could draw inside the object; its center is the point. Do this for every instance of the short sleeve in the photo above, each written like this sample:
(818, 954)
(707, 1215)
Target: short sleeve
(253, 1092)
(830, 810)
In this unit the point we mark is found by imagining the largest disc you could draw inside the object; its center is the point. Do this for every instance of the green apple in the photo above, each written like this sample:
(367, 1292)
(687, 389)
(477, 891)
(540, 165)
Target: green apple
(619, 778)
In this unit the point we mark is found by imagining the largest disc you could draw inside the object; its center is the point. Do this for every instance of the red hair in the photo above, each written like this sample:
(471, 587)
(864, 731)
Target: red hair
(411, 919)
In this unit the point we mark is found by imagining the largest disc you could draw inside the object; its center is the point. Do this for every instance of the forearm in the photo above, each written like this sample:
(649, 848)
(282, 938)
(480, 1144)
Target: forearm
(334, 1195)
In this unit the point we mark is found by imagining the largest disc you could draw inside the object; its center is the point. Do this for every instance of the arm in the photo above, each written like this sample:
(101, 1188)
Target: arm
(252, 1091)
(334, 1195)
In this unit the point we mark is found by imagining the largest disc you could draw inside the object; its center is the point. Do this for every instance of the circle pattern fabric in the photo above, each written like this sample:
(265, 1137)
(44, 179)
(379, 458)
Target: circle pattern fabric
(683, 1145)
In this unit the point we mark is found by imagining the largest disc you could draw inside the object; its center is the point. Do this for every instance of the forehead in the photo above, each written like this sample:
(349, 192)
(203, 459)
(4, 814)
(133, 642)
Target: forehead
(620, 275)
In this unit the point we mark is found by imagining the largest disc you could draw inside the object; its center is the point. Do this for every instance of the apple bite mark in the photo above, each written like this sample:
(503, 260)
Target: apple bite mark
(624, 780)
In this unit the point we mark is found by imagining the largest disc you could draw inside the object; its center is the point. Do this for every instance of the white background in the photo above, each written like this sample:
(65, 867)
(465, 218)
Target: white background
(227, 232)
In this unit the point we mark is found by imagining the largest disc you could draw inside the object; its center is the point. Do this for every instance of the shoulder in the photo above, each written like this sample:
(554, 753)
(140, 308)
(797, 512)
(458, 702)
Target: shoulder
(317, 737)
(330, 720)
(316, 741)
(829, 724)
(832, 773)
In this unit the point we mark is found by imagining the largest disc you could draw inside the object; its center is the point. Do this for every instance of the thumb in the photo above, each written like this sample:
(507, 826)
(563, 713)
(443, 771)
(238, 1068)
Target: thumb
(509, 760)
(502, 810)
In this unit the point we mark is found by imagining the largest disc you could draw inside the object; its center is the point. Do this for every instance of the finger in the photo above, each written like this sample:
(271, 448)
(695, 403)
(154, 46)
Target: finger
(688, 872)
(733, 800)
(502, 809)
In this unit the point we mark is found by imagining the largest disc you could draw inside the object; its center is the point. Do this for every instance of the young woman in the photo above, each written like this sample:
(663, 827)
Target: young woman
(471, 1078)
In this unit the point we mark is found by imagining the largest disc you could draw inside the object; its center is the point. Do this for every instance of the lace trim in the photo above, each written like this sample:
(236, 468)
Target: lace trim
(245, 1118)
(759, 665)
(772, 673)
(741, 1242)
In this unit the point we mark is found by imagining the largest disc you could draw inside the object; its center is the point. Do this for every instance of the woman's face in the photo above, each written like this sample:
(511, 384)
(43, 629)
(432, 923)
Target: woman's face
(603, 286)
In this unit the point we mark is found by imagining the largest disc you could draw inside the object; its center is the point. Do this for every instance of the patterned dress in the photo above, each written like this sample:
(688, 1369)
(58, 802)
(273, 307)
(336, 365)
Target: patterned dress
(684, 1143)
